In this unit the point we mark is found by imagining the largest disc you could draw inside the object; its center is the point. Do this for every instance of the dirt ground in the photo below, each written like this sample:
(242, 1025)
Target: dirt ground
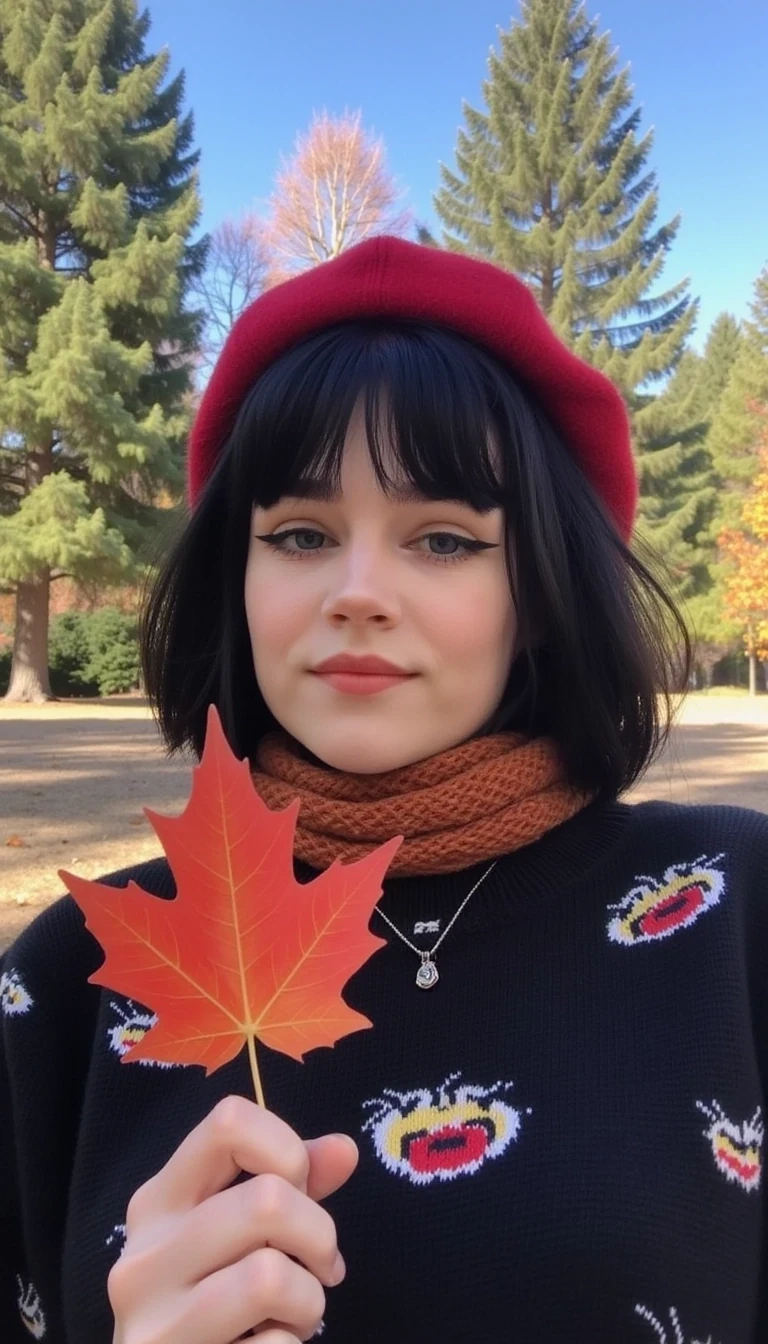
(75, 776)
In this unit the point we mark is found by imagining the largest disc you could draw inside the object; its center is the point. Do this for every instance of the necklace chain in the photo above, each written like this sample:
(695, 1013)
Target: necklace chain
(427, 975)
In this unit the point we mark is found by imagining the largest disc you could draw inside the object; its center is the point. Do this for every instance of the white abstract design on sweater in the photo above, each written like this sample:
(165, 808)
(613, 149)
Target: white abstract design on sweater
(658, 907)
(133, 1026)
(660, 1331)
(118, 1231)
(430, 1136)
(737, 1149)
(14, 998)
(30, 1310)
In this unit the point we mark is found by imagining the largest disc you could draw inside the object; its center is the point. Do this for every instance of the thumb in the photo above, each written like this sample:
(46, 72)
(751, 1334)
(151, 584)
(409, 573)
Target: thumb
(332, 1159)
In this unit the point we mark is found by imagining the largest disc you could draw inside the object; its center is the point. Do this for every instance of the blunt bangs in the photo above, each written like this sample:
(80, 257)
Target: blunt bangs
(426, 397)
(601, 644)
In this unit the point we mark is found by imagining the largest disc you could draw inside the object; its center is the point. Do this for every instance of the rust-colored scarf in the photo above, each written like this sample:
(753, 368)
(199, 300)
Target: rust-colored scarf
(484, 798)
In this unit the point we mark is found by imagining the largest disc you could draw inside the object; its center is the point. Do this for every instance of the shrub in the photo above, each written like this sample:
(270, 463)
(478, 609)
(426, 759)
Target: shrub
(113, 661)
(68, 655)
(89, 653)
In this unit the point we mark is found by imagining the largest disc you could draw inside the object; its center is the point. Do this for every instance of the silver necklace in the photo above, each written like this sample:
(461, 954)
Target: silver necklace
(427, 976)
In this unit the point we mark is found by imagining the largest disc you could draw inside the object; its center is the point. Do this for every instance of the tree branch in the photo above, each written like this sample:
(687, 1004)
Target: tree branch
(22, 219)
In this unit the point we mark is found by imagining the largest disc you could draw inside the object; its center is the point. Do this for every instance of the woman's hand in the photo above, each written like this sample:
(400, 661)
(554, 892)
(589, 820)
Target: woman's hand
(206, 1262)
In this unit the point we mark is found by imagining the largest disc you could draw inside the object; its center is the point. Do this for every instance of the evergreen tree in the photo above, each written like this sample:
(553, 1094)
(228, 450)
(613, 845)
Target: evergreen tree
(739, 417)
(720, 354)
(705, 376)
(685, 386)
(737, 380)
(552, 183)
(98, 197)
(696, 389)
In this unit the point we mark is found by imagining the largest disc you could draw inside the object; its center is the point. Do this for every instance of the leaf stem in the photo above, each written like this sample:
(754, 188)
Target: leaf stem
(255, 1070)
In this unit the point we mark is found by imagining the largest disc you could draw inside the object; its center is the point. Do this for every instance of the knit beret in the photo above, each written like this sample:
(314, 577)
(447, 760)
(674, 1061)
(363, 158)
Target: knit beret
(390, 277)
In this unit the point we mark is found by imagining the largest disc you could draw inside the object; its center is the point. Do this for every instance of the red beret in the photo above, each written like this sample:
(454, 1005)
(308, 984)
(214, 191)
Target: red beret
(389, 277)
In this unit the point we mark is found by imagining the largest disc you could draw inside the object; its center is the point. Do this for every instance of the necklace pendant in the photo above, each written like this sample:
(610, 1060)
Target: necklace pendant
(426, 976)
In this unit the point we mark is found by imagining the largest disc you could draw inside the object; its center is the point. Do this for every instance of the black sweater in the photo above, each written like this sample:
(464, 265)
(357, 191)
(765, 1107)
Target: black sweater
(560, 1141)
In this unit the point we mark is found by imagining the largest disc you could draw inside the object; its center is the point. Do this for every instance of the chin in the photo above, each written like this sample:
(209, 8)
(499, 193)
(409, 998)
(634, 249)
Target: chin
(359, 756)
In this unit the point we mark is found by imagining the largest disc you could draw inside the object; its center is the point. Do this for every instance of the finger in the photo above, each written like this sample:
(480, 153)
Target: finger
(274, 1335)
(265, 1211)
(332, 1159)
(237, 1135)
(265, 1287)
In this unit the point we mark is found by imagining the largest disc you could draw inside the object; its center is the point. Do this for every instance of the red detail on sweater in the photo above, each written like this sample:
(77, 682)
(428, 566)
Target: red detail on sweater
(738, 1164)
(449, 1148)
(673, 910)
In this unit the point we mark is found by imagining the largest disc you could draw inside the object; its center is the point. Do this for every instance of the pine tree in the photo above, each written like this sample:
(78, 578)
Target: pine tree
(739, 418)
(686, 384)
(552, 183)
(720, 354)
(738, 380)
(706, 375)
(98, 197)
(696, 389)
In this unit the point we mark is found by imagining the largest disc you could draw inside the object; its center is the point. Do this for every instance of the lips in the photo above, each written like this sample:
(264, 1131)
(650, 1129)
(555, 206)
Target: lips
(361, 665)
(673, 909)
(744, 1163)
(740, 1162)
(447, 1149)
(361, 675)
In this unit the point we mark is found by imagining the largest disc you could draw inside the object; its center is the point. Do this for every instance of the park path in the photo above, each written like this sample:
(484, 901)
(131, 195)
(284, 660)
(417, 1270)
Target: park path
(75, 776)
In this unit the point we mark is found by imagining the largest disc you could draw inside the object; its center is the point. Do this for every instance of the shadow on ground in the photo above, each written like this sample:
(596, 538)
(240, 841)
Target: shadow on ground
(72, 793)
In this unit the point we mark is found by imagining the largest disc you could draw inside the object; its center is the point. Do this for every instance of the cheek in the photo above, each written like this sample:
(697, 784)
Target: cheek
(479, 628)
(271, 612)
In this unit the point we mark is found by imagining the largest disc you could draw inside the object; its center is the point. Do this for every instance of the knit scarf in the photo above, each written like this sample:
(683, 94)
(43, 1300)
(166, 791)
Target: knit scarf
(478, 800)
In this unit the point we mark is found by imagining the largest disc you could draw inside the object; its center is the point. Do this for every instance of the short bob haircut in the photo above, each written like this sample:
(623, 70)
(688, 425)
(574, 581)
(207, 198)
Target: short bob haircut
(608, 637)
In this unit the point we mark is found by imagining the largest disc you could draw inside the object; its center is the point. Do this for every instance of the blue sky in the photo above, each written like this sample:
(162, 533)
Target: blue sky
(257, 70)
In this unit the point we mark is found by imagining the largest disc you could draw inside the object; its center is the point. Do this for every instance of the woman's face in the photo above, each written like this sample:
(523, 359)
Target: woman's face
(370, 575)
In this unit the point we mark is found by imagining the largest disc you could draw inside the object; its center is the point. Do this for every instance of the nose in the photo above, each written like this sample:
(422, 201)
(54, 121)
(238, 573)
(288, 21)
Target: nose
(360, 590)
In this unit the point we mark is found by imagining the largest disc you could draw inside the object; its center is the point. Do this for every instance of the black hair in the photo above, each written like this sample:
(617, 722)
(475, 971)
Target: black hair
(602, 646)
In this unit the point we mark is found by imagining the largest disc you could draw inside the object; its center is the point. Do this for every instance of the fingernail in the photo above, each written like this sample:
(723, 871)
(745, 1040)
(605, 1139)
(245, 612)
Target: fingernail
(339, 1269)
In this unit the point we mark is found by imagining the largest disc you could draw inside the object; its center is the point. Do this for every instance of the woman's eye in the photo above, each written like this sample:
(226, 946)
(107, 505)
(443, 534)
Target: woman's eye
(306, 538)
(450, 547)
(301, 535)
(446, 543)
(441, 546)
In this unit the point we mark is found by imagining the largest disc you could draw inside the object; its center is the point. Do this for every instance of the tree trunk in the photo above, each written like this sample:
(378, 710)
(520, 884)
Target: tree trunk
(29, 669)
(753, 673)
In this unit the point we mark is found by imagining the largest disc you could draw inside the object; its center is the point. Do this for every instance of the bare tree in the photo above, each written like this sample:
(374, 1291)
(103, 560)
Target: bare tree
(236, 272)
(333, 192)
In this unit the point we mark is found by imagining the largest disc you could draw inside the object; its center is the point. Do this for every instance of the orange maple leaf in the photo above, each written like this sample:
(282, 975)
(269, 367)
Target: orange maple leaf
(244, 951)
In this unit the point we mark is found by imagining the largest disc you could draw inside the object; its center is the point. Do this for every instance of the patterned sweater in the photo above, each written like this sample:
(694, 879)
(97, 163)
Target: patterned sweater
(560, 1141)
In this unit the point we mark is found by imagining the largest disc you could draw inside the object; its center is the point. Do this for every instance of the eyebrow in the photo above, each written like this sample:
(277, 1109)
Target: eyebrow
(406, 493)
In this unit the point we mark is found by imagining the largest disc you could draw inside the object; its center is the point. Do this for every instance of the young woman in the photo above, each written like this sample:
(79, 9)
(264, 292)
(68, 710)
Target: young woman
(406, 582)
